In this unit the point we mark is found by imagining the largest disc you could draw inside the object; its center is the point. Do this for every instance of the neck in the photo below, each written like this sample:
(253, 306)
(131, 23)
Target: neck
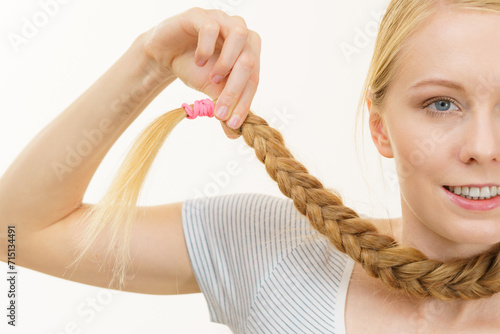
(414, 233)
(468, 315)
(409, 231)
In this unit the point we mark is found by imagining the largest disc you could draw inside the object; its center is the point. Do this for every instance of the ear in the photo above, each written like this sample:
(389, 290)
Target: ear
(378, 132)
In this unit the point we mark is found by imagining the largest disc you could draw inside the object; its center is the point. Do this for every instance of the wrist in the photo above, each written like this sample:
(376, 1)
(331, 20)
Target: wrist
(154, 75)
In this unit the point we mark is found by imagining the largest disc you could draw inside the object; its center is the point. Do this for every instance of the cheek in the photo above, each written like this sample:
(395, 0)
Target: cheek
(422, 152)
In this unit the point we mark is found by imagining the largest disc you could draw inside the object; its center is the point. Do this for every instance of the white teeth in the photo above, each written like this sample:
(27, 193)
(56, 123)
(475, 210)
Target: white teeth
(475, 192)
(485, 192)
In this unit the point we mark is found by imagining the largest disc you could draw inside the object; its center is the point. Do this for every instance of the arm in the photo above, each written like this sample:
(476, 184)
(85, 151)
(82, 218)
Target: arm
(41, 192)
(68, 150)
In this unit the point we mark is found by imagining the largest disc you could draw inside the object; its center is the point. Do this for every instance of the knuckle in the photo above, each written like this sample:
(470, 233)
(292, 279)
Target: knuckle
(223, 65)
(240, 19)
(196, 10)
(247, 61)
(218, 13)
(229, 97)
(256, 37)
(211, 27)
(254, 78)
(240, 31)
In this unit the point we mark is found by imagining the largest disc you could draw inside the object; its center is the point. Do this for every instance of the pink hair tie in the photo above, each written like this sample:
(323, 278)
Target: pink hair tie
(203, 107)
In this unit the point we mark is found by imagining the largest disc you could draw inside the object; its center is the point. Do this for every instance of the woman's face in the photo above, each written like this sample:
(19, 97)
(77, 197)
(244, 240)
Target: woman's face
(442, 126)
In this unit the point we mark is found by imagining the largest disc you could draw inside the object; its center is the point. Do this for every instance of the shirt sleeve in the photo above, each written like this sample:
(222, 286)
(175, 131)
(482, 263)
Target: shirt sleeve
(234, 243)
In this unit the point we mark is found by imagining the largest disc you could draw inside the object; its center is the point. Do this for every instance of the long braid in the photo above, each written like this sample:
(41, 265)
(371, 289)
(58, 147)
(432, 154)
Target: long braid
(380, 255)
(399, 267)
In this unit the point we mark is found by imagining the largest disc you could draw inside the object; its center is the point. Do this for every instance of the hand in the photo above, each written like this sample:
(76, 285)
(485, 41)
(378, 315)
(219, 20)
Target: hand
(211, 52)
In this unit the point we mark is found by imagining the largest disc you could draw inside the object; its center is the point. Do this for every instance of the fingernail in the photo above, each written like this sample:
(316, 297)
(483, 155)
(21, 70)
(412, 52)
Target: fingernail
(217, 79)
(233, 122)
(221, 112)
(201, 63)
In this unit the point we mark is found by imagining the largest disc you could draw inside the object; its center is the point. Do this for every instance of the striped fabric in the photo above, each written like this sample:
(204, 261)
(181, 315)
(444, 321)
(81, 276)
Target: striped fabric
(262, 268)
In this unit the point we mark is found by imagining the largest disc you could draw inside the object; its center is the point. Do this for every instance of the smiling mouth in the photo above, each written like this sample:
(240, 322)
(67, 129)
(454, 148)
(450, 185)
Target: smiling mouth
(474, 193)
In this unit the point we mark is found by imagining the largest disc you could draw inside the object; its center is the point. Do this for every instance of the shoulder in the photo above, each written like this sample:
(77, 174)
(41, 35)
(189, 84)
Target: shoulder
(245, 207)
(249, 219)
(235, 201)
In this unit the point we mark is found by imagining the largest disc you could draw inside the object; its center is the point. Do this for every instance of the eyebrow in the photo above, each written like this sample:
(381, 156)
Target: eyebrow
(439, 82)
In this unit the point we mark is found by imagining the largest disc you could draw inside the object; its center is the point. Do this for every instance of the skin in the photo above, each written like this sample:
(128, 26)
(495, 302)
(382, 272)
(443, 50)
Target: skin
(45, 209)
(45, 204)
(222, 44)
(463, 147)
(213, 53)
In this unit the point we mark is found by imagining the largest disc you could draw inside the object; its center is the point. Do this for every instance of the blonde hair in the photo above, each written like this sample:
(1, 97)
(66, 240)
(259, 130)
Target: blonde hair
(397, 266)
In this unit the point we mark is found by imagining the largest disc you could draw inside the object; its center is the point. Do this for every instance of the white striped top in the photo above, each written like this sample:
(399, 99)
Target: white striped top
(262, 268)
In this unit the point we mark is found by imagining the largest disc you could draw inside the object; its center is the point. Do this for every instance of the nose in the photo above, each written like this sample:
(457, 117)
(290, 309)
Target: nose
(481, 143)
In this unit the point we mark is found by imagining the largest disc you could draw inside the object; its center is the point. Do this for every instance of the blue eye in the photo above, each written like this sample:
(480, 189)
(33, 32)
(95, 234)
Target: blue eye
(441, 107)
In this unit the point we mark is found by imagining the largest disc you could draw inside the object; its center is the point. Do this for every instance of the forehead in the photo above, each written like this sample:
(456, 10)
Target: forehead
(455, 43)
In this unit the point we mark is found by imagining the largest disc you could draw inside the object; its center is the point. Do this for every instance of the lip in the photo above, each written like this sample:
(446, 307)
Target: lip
(473, 205)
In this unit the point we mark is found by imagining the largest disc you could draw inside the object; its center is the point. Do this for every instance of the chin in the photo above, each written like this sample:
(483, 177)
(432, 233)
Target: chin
(471, 236)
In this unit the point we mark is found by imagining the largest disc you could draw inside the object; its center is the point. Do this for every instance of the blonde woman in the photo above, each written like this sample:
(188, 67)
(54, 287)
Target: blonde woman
(310, 264)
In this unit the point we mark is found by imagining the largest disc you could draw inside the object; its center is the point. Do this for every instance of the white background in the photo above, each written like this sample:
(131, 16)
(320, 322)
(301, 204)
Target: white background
(305, 76)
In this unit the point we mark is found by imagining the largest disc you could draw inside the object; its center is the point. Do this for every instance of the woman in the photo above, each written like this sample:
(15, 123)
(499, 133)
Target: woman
(437, 118)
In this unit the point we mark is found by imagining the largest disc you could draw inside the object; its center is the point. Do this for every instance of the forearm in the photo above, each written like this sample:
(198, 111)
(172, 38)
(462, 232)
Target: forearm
(48, 179)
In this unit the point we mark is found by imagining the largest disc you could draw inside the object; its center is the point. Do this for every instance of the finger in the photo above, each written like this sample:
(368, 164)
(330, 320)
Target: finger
(228, 131)
(231, 49)
(207, 38)
(241, 110)
(242, 79)
(236, 82)
(205, 26)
